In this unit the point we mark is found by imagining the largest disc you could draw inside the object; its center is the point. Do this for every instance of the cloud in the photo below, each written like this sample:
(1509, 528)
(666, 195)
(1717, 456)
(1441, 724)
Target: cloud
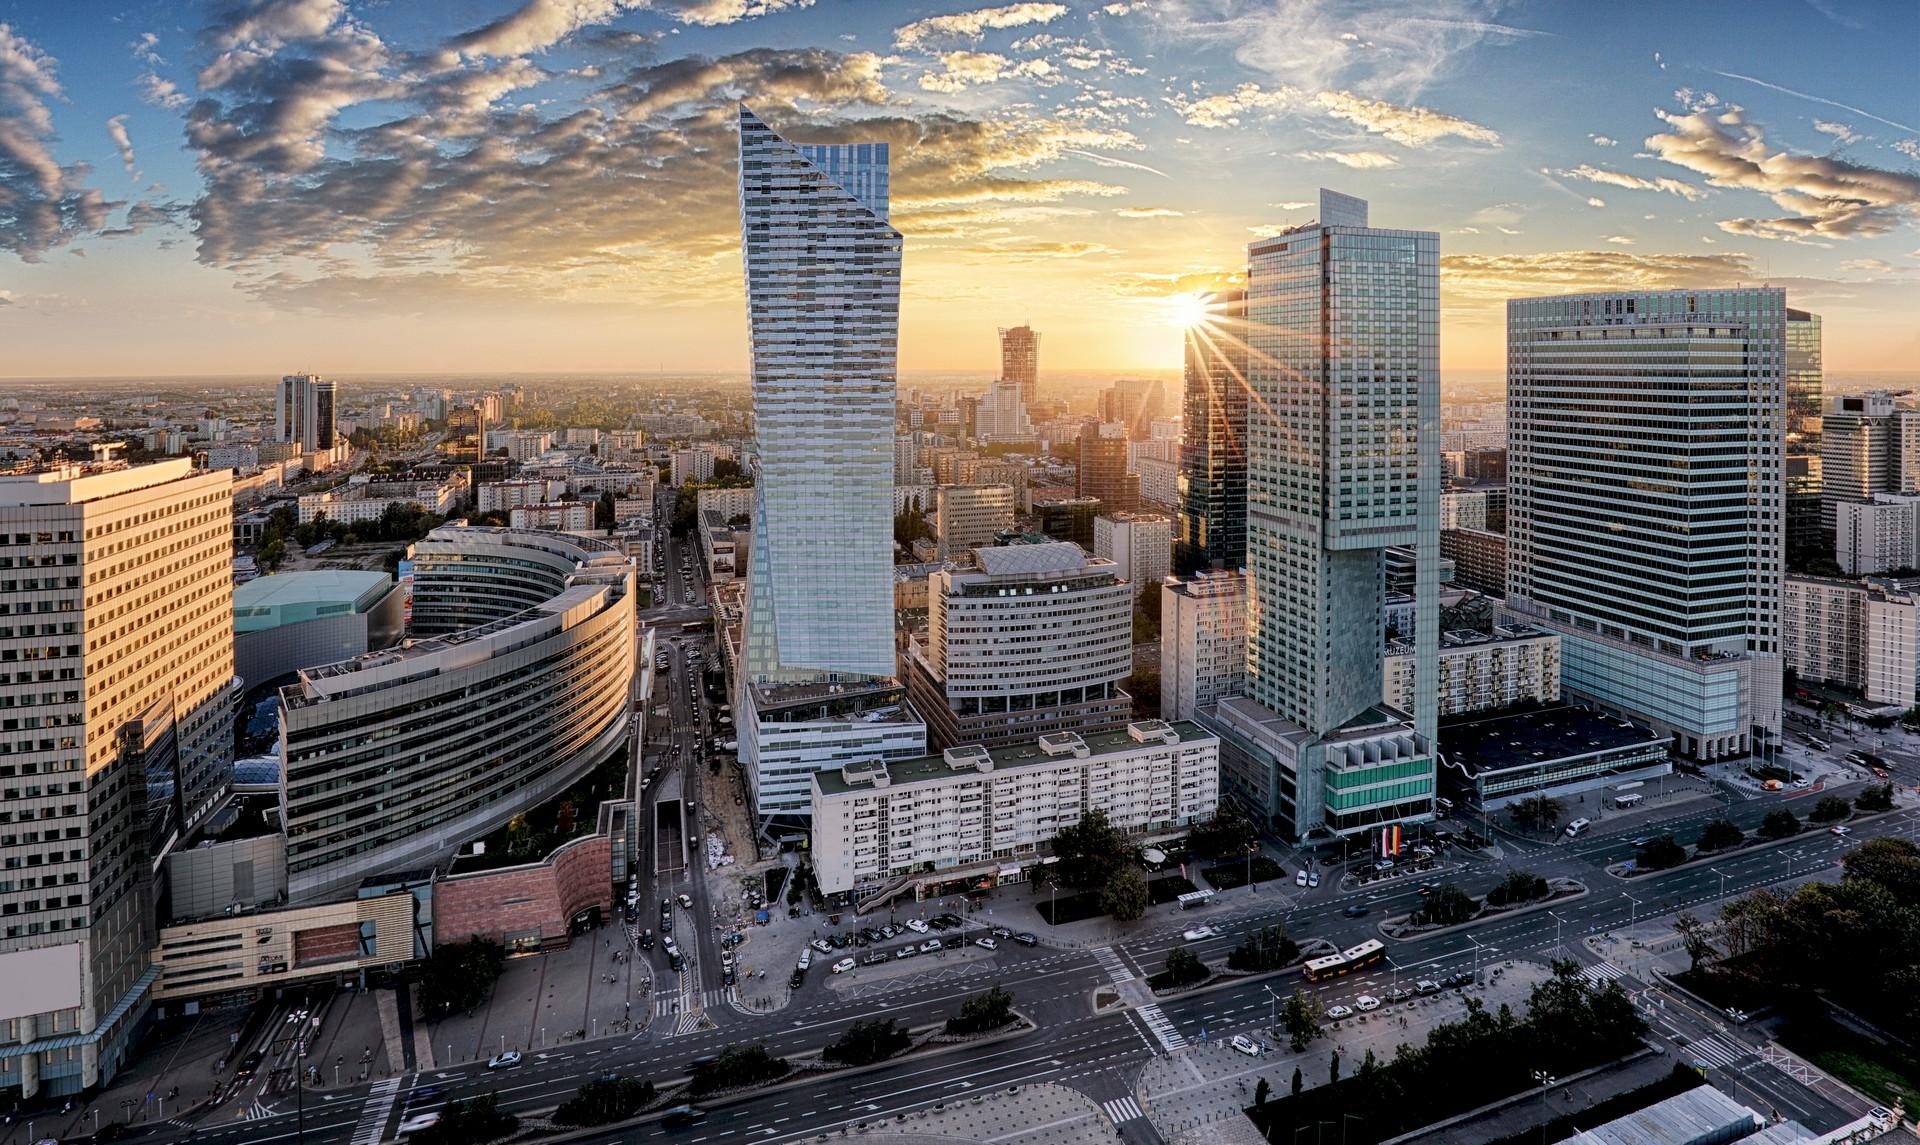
(1603, 141)
(1122, 7)
(1148, 213)
(1908, 147)
(1025, 249)
(1148, 285)
(1500, 276)
(1839, 131)
(1815, 99)
(1109, 161)
(117, 130)
(1361, 160)
(536, 26)
(1687, 191)
(1823, 197)
(8, 298)
(1408, 126)
(966, 69)
(972, 25)
(1228, 108)
(1869, 265)
(42, 203)
(1619, 240)
(1291, 206)
(1662, 63)
(1593, 202)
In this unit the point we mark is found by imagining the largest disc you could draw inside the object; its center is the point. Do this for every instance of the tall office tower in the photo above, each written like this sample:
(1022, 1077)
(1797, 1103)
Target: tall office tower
(116, 666)
(1134, 403)
(1869, 444)
(1020, 360)
(1038, 640)
(1342, 462)
(466, 437)
(1213, 448)
(823, 305)
(1003, 415)
(965, 517)
(1803, 468)
(1102, 471)
(1632, 414)
(303, 412)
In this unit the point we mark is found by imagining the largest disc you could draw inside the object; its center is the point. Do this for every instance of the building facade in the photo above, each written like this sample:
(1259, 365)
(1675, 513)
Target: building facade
(1102, 473)
(1213, 443)
(1860, 635)
(1020, 360)
(303, 412)
(1876, 536)
(966, 517)
(1481, 671)
(1203, 641)
(562, 516)
(1139, 544)
(1681, 396)
(974, 810)
(1038, 639)
(1465, 510)
(1002, 417)
(1479, 559)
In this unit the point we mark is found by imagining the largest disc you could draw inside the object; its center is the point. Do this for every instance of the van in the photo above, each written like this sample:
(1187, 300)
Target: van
(1577, 826)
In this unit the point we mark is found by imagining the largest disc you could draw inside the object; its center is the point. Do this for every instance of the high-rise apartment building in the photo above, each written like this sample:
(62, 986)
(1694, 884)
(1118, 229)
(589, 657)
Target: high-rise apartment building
(1342, 462)
(1877, 536)
(1203, 641)
(1133, 403)
(1002, 417)
(1020, 360)
(1667, 600)
(466, 436)
(1139, 544)
(1102, 469)
(965, 517)
(303, 412)
(1213, 446)
(1038, 639)
(1863, 635)
(1869, 444)
(116, 674)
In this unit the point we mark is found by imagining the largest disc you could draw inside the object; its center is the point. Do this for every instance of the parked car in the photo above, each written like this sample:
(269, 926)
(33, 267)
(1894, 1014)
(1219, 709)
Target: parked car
(806, 959)
(1454, 981)
(504, 1061)
(1246, 1045)
(986, 944)
(877, 958)
(798, 976)
(1025, 939)
(685, 901)
(1300, 878)
(646, 940)
(1398, 994)
(729, 976)
(917, 926)
(1366, 1003)
(820, 944)
(955, 941)
(906, 952)
(1199, 932)
(1313, 878)
(1426, 986)
(929, 946)
(1001, 932)
(1335, 1013)
(842, 966)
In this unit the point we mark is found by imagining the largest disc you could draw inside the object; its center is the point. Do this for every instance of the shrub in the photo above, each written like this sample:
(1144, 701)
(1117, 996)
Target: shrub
(1268, 948)
(1518, 887)
(982, 1012)
(864, 1043)
(1183, 969)
(1660, 853)
(465, 1122)
(1830, 808)
(1719, 835)
(1878, 798)
(605, 1099)
(1779, 824)
(740, 1065)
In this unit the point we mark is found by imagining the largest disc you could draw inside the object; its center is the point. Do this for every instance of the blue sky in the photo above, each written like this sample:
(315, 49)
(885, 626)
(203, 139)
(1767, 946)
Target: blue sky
(353, 186)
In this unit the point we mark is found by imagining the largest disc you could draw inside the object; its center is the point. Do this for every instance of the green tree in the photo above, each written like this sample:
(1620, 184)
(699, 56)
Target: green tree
(866, 1042)
(1696, 936)
(1537, 813)
(1779, 824)
(1448, 905)
(1518, 887)
(464, 1122)
(1881, 721)
(982, 1013)
(1876, 798)
(1261, 1092)
(1227, 835)
(1659, 853)
(1300, 1018)
(1719, 835)
(1268, 948)
(605, 1099)
(1892, 864)
(459, 975)
(603, 511)
(1146, 614)
(1183, 968)
(1090, 851)
(1125, 895)
(1143, 685)
(273, 553)
(740, 1065)
(1830, 808)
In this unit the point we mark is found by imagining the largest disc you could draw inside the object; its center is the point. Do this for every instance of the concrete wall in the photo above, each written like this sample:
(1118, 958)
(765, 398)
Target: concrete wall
(246, 873)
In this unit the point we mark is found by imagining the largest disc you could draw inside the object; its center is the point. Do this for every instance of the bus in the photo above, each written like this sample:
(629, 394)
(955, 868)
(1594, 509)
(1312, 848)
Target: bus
(694, 626)
(1622, 802)
(1364, 955)
(1332, 966)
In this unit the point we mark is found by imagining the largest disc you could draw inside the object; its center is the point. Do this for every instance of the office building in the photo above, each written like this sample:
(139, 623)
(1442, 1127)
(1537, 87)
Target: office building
(1102, 471)
(466, 436)
(1562, 753)
(1869, 444)
(1806, 373)
(1342, 463)
(1002, 417)
(1862, 635)
(391, 760)
(1463, 510)
(303, 412)
(1203, 641)
(1068, 518)
(966, 517)
(563, 516)
(1213, 444)
(1020, 361)
(945, 822)
(1037, 639)
(1479, 559)
(359, 501)
(1680, 395)
(116, 674)
(1480, 671)
(1159, 484)
(295, 620)
(1139, 544)
(1133, 403)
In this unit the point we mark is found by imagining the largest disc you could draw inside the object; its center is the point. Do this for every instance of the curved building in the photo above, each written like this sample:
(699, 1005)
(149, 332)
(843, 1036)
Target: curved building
(393, 759)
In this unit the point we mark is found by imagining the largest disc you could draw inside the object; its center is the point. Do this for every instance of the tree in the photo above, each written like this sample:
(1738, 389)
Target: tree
(1227, 835)
(272, 553)
(1268, 948)
(603, 511)
(1659, 853)
(1830, 808)
(1518, 887)
(866, 1042)
(1262, 1091)
(1146, 614)
(1779, 824)
(909, 527)
(1125, 896)
(739, 1065)
(1876, 798)
(1183, 968)
(605, 1099)
(1881, 721)
(982, 1013)
(1300, 1018)
(1446, 906)
(1696, 936)
(1091, 850)
(1143, 685)
(1719, 835)
(1537, 813)
(1298, 1081)
(463, 1122)
(458, 976)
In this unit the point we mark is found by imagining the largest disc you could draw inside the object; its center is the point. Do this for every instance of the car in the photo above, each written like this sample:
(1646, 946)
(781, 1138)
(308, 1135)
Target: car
(1398, 994)
(916, 926)
(726, 958)
(1426, 986)
(1383, 866)
(798, 976)
(1454, 981)
(955, 941)
(986, 944)
(1355, 910)
(1300, 878)
(942, 922)
(729, 976)
(1335, 1013)
(1881, 773)
(1313, 878)
(419, 1122)
(1025, 939)
(1246, 1045)
(1803, 782)
(889, 931)
(646, 940)
(906, 952)
(1199, 932)
(1426, 889)
(806, 960)
(1640, 840)
(1575, 828)
(685, 901)
(1841, 829)
(929, 946)
(505, 1060)
(842, 966)
(1001, 932)
(820, 944)
(1365, 1003)
(682, 1116)
(952, 919)
(676, 961)
(877, 958)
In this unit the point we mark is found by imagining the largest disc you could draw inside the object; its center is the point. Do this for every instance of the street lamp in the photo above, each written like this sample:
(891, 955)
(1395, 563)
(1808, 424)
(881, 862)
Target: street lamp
(1633, 913)
(1543, 1079)
(1558, 945)
(1723, 879)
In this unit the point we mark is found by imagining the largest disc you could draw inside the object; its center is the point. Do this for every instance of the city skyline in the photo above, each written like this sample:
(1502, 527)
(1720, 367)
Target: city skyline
(291, 181)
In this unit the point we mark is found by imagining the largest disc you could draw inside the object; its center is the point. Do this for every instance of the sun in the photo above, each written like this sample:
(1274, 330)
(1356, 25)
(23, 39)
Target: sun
(1189, 310)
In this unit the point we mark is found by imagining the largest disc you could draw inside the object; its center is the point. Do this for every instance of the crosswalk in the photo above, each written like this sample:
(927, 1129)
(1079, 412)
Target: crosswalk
(1164, 1030)
(1713, 1051)
(258, 1110)
(374, 1114)
(1121, 1109)
(668, 1003)
(1115, 967)
(1602, 972)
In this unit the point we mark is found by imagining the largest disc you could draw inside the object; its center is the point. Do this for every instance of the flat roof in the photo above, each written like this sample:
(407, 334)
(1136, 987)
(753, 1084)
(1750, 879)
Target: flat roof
(1525, 739)
(291, 597)
(1057, 556)
(1027, 754)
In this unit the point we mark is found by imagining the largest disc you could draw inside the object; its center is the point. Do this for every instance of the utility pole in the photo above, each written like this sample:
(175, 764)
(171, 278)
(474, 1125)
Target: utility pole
(1633, 914)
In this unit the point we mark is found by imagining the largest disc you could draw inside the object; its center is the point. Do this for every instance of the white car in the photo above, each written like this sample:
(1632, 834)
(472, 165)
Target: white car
(1366, 1002)
(820, 944)
(1246, 1045)
(1300, 878)
(842, 966)
(917, 926)
(929, 946)
(1335, 1013)
(986, 944)
(806, 959)
(1198, 933)
(504, 1061)
(1841, 830)
(419, 1122)
(1313, 879)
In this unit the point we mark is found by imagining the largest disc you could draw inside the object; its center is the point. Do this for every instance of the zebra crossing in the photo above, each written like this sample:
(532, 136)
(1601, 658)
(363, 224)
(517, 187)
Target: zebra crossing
(1112, 963)
(1164, 1030)
(1602, 972)
(373, 1115)
(258, 1110)
(668, 1003)
(1714, 1052)
(1121, 1109)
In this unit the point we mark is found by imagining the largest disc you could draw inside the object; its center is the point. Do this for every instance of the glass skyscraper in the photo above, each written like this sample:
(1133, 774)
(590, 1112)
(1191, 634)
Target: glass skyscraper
(1646, 517)
(1213, 444)
(823, 305)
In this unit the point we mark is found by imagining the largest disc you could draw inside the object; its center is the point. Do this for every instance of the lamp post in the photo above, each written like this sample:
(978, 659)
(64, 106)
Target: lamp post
(1633, 913)
(1543, 1079)
(1723, 879)
(1273, 1011)
(1558, 922)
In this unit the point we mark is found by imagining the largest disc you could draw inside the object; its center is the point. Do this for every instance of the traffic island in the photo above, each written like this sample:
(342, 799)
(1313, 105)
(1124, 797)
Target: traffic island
(1403, 928)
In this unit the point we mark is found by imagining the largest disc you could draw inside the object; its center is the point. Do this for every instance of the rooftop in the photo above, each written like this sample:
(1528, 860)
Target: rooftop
(967, 759)
(288, 598)
(1525, 739)
(1009, 560)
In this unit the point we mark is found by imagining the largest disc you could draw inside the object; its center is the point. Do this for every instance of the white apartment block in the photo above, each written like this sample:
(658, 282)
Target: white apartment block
(561, 516)
(1863, 635)
(528, 445)
(1877, 535)
(966, 517)
(500, 496)
(368, 501)
(1203, 642)
(972, 809)
(691, 465)
(1480, 671)
(1140, 543)
(729, 503)
(1463, 510)
(1159, 482)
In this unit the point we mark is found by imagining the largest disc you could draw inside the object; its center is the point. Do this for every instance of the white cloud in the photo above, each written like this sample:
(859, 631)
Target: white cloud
(1908, 147)
(968, 69)
(1659, 61)
(1291, 205)
(1409, 126)
(42, 204)
(1619, 240)
(1362, 160)
(1227, 109)
(1840, 131)
(972, 25)
(1593, 202)
(1687, 191)
(1148, 213)
(1603, 141)
(1868, 265)
(117, 131)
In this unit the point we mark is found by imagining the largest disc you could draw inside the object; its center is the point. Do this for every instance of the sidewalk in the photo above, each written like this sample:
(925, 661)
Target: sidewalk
(549, 999)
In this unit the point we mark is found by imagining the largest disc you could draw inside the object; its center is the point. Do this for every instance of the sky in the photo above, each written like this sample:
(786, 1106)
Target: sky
(354, 186)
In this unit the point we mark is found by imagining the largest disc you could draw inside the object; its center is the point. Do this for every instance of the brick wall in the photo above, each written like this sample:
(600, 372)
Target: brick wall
(539, 897)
